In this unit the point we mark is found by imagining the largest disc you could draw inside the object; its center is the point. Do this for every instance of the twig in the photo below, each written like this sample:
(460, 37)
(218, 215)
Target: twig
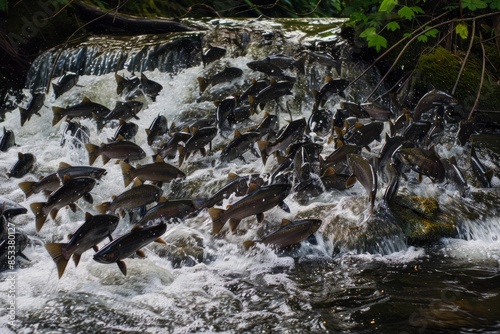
(481, 82)
(465, 58)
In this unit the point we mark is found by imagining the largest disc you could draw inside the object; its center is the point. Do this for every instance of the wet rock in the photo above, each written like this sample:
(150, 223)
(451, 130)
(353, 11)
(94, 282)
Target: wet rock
(185, 247)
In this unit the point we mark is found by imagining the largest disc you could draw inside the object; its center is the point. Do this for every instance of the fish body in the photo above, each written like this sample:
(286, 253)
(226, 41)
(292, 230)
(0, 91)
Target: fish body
(254, 89)
(33, 108)
(274, 91)
(64, 84)
(320, 121)
(212, 54)
(67, 194)
(426, 162)
(479, 171)
(169, 149)
(168, 211)
(158, 171)
(80, 134)
(7, 140)
(331, 180)
(338, 158)
(255, 203)
(126, 130)
(290, 134)
(226, 75)
(197, 142)
(128, 244)
(455, 176)
(290, 233)
(9, 209)
(122, 110)
(133, 198)
(94, 230)
(430, 100)
(332, 86)
(365, 135)
(239, 145)
(158, 128)
(120, 149)
(270, 68)
(85, 109)
(23, 165)
(224, 109)
(365, 174)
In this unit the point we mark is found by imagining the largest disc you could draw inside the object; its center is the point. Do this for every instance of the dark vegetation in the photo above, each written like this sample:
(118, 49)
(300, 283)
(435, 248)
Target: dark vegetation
(392, 34)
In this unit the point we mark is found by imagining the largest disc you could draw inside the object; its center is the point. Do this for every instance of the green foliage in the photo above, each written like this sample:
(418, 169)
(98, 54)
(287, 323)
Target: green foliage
(462, 31)
(374, 40)
(473, 4)
(3, 5)
(387, 5)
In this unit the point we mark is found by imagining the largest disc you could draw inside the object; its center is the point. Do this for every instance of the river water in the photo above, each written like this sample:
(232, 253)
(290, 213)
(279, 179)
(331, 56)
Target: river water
(450, 286)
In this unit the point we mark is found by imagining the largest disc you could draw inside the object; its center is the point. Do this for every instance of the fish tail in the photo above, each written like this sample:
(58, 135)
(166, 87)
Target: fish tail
(24, 116)
(56, 89)
(57, 115)
(262, 144)
(248, 244)
(182, 154)
(217, 221)
(203, 84)
(119, 83)
(40, 216)
(55, 251)
(127, 171)
(93, 152)
(105, 159)
(103, 207)
(27, 187)
(233, 224)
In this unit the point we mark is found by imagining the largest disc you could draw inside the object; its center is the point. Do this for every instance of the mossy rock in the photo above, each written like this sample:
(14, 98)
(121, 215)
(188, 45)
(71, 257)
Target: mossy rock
(422, 221)
(440, 68)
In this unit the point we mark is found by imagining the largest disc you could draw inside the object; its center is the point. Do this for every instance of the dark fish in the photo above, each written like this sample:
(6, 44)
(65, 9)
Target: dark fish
(365, 174)
(167, 211)
(224, 109)
(125, 130)
(158, 128)
(239, 114)
(126, 85)
(266, 127)
(377, 112)
(365, 135)
(401, 122)
(429, 101)
(33, 107)
(392, 188)
(338, 158)
(331, 180)
(120, 149)
(10, 208)
(454, 176)
(320, 121)
(149, 87)
(435, 133)
(158, 171)
(128, 244)
(272, 92)
(253, 90)
(416, 131)
(391, 145)
(354, 109)
(94, 230)
(325, 59)
(426, 162)
(136, 197)
(212, 54)
(7, 140)
(85, 109)
(332, 86)
(479, 171)
(292, 132)
(199, 139)
(22, 166)
(238, 186)
(465, 129)
(67, 194)
(80, 134)
(169, 149)
(269, 68)
(65, 83)
(226, 75)
(53, 181)
(239, 145)
(282, 61)
(290, 233)
(122, 110)
(255, 203)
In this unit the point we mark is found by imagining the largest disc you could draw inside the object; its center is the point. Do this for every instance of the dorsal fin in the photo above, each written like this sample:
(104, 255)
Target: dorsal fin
(237, 133)
(252, 187)
(122, 121)
(20, 155)
(328, 78)
(120, 138)
(137, 182)
(88, 215)
(194, 130)
(329, 171)
(158, 158)
(162, 199)
(86, 100)
(453, 160)
(136, 228)
(232, 176)
(285, 222)
(63, 165)
(66, 178)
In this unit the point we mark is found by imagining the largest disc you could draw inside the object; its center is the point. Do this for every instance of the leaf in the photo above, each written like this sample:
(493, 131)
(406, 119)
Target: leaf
(368, 32)
(495, 4)
(473, 4)
(462, 31)
(417, 10)
(393, 26)
(377, 41)
(432, 32)
(406, 13)
(422, 38)
(387, 5)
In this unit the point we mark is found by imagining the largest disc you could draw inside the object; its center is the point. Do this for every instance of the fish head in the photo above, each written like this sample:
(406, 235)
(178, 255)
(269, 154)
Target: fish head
(107, 255)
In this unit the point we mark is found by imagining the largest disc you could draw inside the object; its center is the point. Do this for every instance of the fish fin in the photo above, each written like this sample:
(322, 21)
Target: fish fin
(55, 252)
(182, 155)
(23, 256)
(63, 165)
(93, 152)
(27, 187)
(489, 175)
(158, 158)
(329, 171)
(57, 115)
(203, 83)
(123, 267)
(203, 151)
(236, 134)
(252, 187)
(96, 248)
(103, 207)
(160, 241)
(88, 215)
(140, 253)
(105, 159)
(284, 207)
(233, 224)
(248, 244)
(88, 198)
(127, 172)
(419, 178)
(216, 216)
(285, 222)
(453, 160)
(350, 181)
(137, 182)
(72, 206)
(162, 199)
(260, 217)
(232, 176)
(76, 259)
(40, 216)
(262, 144)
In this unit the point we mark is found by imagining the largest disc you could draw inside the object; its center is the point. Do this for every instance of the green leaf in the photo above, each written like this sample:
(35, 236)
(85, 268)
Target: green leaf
(368, 32)
(393, 26)
(431, 33)
(406, 13)
(387, 5)
(3, 5)
(377, 41)
(462, 31)
(422, 38)
(473, 4)
(417, 10)
(495, 4)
